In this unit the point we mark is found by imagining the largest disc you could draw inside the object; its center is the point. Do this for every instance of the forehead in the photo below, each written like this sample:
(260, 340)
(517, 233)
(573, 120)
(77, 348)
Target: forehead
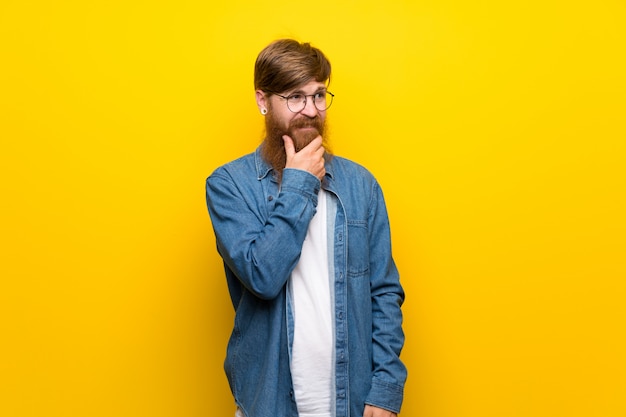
(309, 88)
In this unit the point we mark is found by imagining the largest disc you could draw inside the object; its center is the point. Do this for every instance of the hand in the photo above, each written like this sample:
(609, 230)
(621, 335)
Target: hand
(371, 411)
(310, 158)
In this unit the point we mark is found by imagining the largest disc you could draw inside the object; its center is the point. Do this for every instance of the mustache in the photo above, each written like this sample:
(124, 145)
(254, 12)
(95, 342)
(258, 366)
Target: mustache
(315, 122)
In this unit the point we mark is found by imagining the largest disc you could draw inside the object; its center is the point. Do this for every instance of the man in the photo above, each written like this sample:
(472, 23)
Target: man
(306, 247)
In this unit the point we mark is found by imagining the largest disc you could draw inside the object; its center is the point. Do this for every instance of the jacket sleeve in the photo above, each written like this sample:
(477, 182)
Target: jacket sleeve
(389, 373)
(260, 248)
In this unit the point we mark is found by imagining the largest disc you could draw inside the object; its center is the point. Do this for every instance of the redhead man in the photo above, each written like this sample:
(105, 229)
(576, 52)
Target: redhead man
(305, 240)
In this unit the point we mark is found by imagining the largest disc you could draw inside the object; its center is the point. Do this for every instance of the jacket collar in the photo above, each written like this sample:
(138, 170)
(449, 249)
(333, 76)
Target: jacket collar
(262, 167)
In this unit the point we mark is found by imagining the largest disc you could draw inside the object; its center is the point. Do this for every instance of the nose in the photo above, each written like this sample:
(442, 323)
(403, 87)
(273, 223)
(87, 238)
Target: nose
(309, 109)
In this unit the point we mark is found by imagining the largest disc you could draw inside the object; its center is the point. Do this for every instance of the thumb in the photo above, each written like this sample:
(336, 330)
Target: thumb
(290, 149)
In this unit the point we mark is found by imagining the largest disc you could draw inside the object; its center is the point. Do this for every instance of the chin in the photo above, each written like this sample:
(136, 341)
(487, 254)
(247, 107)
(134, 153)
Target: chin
(303, 137)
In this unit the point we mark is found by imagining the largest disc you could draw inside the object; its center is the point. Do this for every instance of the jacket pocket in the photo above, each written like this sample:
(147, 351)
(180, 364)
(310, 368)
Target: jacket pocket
(358, 248)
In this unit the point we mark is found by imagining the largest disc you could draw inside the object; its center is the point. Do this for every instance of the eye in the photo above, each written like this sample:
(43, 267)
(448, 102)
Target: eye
(296, 97)
(319, 96)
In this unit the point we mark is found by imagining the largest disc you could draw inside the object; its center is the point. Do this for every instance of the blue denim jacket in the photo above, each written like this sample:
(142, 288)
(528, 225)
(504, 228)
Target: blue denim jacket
(260, 228)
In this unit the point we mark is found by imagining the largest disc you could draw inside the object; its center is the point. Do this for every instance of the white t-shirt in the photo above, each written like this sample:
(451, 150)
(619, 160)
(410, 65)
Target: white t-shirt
(312, 355)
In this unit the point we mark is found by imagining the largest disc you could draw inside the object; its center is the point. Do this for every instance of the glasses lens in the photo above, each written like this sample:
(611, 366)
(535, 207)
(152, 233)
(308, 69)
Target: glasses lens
(323, 100)
(320, 101)
(296, 102)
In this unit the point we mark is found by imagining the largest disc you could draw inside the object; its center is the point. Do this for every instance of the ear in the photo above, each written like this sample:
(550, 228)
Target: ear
(261, 101)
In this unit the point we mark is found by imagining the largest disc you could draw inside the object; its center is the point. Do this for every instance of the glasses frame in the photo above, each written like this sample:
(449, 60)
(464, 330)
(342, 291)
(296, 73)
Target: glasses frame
(286, 98)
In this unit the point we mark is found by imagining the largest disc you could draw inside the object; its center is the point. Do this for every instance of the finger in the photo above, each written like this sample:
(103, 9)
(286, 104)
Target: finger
(290, 149)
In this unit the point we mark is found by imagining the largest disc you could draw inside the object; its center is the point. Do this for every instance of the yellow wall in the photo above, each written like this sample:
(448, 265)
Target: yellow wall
(497, 130)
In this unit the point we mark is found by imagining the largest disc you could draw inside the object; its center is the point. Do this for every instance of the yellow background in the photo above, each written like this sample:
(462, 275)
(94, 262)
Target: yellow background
(495, 128)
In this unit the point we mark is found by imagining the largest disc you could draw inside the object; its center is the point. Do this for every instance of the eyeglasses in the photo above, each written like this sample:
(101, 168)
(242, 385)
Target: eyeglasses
(297, 102)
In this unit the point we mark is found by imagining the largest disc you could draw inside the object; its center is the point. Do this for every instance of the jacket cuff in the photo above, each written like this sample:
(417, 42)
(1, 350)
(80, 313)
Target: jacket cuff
(385, 395)
(302, 182)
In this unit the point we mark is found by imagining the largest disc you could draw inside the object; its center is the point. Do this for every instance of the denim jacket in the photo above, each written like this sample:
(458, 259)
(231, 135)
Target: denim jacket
(260, 227)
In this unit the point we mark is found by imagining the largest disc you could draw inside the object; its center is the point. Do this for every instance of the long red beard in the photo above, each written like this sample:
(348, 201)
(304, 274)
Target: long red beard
(273, 148)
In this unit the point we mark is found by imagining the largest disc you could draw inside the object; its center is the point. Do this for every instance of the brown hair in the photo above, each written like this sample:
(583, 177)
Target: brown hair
(286, 64)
